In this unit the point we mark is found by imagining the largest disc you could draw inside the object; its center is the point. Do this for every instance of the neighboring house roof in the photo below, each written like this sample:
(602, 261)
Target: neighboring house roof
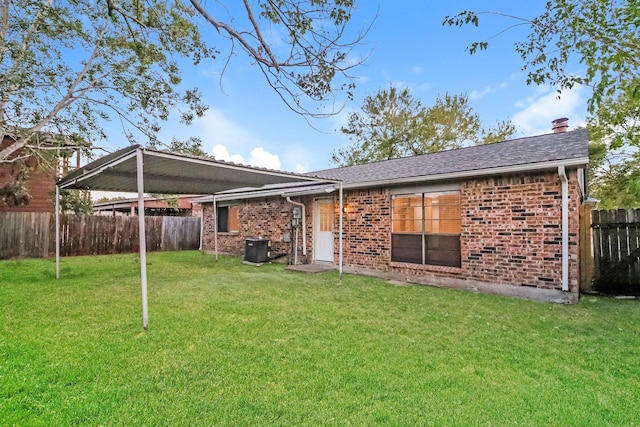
(181, 202)
(530, 153)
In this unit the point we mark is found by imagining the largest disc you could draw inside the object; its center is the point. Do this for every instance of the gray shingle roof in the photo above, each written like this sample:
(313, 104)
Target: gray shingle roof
(531, 150)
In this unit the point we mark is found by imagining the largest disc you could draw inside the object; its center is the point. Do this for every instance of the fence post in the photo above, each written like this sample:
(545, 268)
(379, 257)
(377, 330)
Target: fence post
(585, 248)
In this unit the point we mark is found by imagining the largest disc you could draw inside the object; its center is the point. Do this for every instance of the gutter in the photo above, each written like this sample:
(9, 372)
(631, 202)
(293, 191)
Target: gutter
(565, 227)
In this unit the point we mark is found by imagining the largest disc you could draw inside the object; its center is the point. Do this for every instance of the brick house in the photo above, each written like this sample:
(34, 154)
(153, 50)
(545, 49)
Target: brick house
(500, 218)
(41, 182)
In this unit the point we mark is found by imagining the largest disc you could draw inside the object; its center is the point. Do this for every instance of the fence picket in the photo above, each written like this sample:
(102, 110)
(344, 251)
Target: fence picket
(616, 238)
(32, 235)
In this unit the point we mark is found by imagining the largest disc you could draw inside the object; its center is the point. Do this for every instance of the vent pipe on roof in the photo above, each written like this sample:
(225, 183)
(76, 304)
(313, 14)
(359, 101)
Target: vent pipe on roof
(560, 125)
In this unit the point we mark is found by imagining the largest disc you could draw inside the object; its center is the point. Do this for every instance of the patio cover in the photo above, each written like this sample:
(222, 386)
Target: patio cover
(138, 169)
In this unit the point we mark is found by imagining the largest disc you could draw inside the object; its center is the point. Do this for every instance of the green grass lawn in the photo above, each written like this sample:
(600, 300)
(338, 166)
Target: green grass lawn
(230, 344)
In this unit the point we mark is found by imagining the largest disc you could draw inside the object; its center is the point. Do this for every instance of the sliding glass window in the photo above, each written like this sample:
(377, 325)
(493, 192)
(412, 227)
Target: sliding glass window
(425, 228)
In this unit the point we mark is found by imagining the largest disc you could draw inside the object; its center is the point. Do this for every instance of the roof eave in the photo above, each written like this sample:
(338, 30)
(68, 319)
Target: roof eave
(529, 167)
(577, 162)
(283, 192)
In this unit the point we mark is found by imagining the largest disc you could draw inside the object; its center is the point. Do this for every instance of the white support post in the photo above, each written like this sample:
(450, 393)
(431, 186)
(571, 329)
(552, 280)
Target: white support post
(340, 225)
(215, 228)
(143, 239)
(57, 232)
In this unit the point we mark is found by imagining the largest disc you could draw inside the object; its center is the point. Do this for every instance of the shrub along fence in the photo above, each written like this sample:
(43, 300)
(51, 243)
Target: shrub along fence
(32, 235)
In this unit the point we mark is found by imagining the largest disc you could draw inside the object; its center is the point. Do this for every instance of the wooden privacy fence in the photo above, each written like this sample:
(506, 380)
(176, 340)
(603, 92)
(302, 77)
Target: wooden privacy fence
(616, 243)
(32, 235)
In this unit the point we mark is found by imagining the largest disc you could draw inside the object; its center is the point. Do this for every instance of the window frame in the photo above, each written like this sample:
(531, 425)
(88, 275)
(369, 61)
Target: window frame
(223, 222)
(413, 241)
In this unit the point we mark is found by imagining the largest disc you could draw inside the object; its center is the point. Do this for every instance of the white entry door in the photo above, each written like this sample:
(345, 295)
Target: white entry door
(323, 230)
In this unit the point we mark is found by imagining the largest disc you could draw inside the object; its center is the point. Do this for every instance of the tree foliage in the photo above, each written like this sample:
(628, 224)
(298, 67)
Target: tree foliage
(614, 176)
(614, 160)
(76, 201)
(311, 59)
(67, 68)
(602, 36)
(394, 124)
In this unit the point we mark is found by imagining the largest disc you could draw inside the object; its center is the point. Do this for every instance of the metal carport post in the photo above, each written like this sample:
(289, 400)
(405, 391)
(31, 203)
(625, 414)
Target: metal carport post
(124, 170)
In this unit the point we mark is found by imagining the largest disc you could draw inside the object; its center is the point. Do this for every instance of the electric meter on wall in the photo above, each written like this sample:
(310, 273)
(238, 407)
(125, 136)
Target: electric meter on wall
(297, 212)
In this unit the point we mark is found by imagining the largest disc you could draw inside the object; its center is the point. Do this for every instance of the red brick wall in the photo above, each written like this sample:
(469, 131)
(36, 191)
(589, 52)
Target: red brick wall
(268, 218)
(511, 231)
(41, 186)
(367, 228)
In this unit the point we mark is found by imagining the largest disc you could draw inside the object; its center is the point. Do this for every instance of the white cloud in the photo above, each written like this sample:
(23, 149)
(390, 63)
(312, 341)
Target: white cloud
(479, 94)
(540, 109)
(538, 92)
(220, 152)
(261, 158)
(301, 167)
(216, 128)
(425, 86)
(417, 70)
(258, 157)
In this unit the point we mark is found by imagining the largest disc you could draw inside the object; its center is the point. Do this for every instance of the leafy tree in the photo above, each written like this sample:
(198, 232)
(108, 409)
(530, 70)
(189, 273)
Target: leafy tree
(68, 67)
(311, 59)
(614, 176)
(110, 199)
(614, 161)
(191, 146)
(394, 124)
(603, 36)
(76, 201)
(600, 34)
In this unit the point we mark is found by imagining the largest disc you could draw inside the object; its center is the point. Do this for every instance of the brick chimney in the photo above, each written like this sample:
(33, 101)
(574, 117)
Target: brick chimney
(560, 125)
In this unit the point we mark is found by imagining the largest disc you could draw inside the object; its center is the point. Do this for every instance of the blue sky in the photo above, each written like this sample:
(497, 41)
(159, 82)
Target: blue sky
(407, 46)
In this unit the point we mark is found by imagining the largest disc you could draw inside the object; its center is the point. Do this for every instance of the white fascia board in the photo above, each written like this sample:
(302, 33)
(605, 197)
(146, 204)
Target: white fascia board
(530, 167)
(97, 171)
(317, 189)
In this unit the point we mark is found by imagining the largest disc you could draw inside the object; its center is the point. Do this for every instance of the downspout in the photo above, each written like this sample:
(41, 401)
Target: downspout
(340, 239)
(304, 224)
(565, 227)
(201, 225)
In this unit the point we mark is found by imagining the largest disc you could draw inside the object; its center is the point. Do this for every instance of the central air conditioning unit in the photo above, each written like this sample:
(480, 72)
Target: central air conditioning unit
(256, 250)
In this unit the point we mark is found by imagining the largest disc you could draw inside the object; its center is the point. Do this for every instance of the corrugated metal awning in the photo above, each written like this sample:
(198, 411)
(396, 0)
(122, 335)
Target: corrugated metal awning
(170, 173)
